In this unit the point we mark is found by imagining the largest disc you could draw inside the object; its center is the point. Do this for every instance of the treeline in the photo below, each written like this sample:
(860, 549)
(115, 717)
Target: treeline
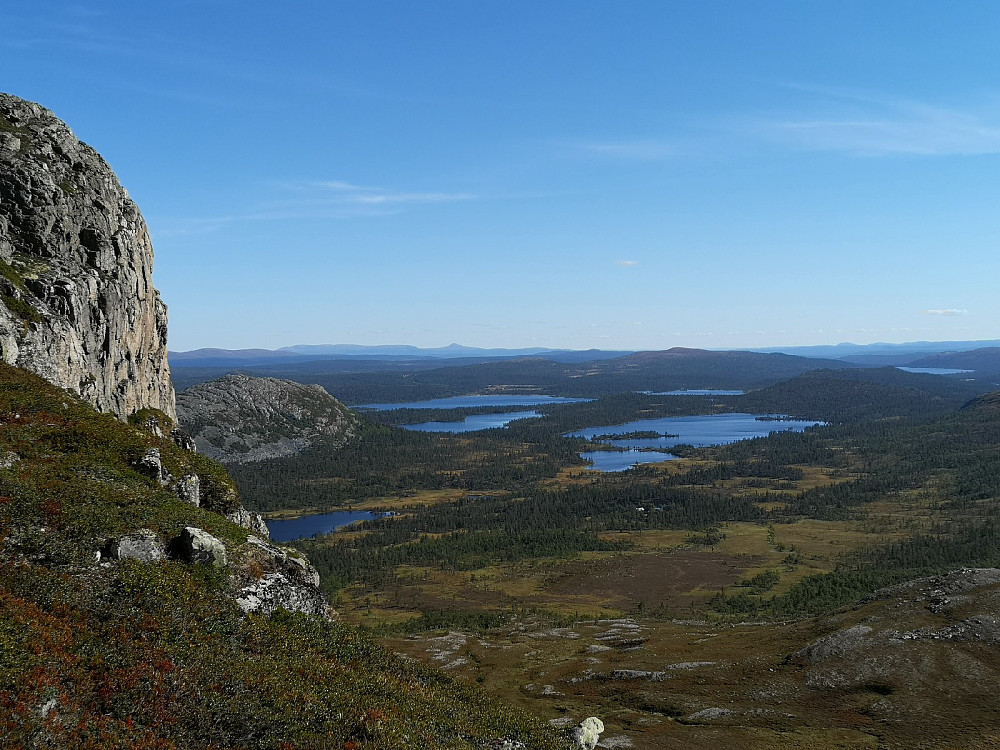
(973, 544)
(374, 564)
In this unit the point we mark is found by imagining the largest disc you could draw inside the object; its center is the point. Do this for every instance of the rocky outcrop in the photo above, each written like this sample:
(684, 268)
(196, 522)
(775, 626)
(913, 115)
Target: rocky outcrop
(267, 578)
(143, 545)
(903, 642)
(249, 520)
(77, 303)
(239, 419)
(196, 545)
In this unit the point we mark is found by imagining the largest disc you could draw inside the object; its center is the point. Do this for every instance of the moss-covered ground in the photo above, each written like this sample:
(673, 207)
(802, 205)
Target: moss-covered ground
(97, 654)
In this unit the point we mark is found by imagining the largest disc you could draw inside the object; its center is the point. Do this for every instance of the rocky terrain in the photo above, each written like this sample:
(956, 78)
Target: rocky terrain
(76, 263)
(912, 666)
(238, 419)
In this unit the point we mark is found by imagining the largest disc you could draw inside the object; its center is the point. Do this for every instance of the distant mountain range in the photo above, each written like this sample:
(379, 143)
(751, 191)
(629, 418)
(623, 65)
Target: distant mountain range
(308, 352)
(875, 355)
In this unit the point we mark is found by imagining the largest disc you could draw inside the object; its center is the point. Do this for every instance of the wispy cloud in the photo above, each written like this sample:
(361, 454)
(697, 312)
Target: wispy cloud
(627, 262)
(317, 199)
(871, 125)
(949, 311)
(349, 193)
(638, 150)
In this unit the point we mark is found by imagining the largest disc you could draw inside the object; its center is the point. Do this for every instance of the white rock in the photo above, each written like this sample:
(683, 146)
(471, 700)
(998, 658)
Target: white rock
(587, 733)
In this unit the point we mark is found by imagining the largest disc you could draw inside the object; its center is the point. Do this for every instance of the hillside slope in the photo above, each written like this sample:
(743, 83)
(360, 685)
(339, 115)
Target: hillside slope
(112, 635)
(239, 419)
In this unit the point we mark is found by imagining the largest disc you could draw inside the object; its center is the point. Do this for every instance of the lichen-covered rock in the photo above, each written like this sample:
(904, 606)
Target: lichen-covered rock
(267, 577)
(196, 545)
(142, 545)
(77, 303)
(586, 734)
(239, 419)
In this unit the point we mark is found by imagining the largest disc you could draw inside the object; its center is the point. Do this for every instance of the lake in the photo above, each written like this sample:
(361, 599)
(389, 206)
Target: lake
(284, 530)
(934, 370)
(474, 402)
(694, 392)
(608, 461)
(699, 431)
(473, 422)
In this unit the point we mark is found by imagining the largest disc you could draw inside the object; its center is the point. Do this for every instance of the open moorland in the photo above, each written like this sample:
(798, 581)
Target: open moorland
(739, 594)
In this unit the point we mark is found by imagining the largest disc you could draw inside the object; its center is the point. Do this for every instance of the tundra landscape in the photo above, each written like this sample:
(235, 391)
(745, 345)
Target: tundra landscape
(665, 408)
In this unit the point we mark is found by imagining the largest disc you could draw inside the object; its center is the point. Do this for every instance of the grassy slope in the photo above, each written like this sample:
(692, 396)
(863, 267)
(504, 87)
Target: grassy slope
(158, 655)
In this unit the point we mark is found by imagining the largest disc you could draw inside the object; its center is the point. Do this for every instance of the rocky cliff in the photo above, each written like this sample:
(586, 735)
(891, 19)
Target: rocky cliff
(77, 303)
(238, 419)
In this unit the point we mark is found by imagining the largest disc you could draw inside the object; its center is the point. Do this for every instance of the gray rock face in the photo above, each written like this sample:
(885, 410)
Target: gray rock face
(835, 644)
(188, 489)
(152, 466)
(249, 520)
(267, 578)
(77, 303)
(239, 419)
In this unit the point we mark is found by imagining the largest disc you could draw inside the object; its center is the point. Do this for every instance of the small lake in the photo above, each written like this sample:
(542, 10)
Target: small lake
(474, 402)
(473, 422)
(607, 461)
(934, 370)
(694, 392)
(284, 530)
(699, 431)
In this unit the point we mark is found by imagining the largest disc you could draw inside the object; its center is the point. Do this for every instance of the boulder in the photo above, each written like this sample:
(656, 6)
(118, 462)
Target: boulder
(196, 545)
(142, 545)
(586, 734)
(183, 440)
(267, 577)
(152, 466)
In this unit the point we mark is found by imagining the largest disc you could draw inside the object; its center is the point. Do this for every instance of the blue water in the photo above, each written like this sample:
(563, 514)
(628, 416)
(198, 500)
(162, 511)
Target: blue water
(699, 431)
(473, 402)
(623, 460)
(320, 523)
(474, 422)
(935, 370)
(694, 392)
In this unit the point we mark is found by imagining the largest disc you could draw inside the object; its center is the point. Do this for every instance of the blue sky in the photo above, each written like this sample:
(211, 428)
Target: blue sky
(620, 175)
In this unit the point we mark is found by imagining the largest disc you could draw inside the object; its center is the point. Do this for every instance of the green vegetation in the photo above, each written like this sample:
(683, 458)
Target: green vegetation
(158, 655)
(894, 434)
(20, 132)
(13, 292)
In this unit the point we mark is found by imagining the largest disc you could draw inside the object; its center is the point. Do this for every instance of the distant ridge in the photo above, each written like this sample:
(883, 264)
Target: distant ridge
(985, 359)
(896, 354)
(452, 350)
(215, 357)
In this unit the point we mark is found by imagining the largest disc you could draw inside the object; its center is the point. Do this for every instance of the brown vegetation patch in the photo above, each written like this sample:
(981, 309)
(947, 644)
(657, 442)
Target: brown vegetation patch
(626, 580)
